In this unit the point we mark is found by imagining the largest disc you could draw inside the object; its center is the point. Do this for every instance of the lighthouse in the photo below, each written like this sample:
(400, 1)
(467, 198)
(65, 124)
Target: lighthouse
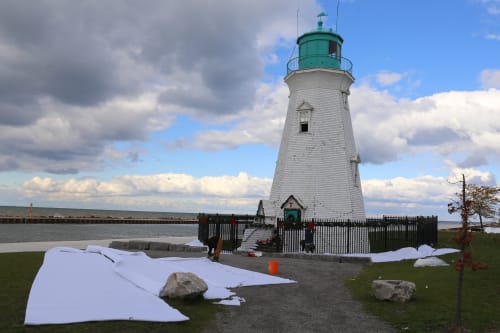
(317, 174)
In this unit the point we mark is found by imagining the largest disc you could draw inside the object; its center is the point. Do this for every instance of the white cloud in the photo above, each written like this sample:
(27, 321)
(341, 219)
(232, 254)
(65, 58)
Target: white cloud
(240, 186)
(262, 124)
(494, 10)
(165, 192)
(62, 109)
(396, 81)
(386, 127)
(423, 195)
(472, 176)
(77, 137)
(493, 36)
(490, 78)
(408, 190)
(388, 78)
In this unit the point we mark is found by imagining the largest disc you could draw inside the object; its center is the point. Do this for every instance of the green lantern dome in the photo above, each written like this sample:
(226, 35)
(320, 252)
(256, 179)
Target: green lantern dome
(320, 49)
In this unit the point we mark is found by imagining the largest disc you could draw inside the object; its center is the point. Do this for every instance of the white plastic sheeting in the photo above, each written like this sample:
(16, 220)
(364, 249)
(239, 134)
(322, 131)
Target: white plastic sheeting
(492, 230)
(430, 262)
(100, 283)
(405, 253)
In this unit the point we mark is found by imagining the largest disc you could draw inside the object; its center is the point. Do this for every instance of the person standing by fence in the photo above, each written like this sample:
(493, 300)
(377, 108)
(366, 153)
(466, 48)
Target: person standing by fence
(212, 244)
(309, 239)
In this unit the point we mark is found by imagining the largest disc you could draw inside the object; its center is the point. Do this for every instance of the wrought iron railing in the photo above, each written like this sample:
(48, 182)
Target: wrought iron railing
(319, 61)
(330, 235)
(372, 235)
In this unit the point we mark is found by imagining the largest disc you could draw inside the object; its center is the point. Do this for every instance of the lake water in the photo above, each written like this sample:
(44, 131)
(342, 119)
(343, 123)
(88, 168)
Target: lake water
(12, 233)
(70, 212)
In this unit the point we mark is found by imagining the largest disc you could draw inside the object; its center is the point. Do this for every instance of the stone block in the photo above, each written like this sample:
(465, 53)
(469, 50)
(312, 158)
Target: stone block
(120, 245)
(394, 290)
(196, 248)
(159, 246)
(138, 245)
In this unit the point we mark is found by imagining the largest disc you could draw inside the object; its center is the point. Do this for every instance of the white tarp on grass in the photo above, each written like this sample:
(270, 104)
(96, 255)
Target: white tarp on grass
(107, 284)
(430, 262)
(405, 253)
(492, 230)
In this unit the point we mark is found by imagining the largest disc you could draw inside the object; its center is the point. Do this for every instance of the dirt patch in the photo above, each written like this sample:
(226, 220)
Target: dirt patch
(318, 302)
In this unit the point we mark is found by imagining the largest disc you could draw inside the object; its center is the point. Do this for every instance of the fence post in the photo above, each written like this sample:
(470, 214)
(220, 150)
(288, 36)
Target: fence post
(202, 227)
(385, 236)
(233, 231)
(348, 234)
(280, 234)
(406, 228)
(435, 230)
(217, 225)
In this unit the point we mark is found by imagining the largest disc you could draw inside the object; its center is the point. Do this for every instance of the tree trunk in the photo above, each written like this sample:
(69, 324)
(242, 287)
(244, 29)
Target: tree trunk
(458, 309)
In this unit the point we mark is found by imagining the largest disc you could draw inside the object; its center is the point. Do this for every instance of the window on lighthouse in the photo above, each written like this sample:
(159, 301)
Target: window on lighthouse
(333, 50)
(345, 100)
(304, 120)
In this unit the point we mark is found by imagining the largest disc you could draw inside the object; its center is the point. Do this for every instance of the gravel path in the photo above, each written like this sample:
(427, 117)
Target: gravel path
(319, 302)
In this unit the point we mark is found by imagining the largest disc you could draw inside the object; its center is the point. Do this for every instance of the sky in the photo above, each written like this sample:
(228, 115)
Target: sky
(179, 106)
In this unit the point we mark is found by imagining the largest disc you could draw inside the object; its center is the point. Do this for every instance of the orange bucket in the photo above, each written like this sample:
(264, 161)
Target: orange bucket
(272, 267)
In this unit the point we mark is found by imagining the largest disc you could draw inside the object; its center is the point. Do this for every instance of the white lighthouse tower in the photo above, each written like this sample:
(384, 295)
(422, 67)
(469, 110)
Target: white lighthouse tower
(317, 173)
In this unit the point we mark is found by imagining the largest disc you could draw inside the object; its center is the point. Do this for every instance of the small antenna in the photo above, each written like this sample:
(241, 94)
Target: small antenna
(297, 37)
(337, 18)
(297, 19)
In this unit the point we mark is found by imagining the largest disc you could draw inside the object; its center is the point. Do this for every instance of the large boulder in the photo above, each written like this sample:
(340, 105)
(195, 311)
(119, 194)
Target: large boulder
(394, 290)
(183, 285)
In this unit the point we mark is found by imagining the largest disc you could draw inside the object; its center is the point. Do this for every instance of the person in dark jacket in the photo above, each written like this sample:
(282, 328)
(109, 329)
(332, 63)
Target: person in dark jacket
(212, 244)
(309, 240)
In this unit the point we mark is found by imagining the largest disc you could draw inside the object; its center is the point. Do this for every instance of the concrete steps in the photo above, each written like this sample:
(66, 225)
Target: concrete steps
(251, 236)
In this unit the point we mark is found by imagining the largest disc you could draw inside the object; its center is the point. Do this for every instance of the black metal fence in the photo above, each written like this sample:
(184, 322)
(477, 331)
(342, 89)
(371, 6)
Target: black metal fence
(229, 227)
(372, 235)
(330, 235)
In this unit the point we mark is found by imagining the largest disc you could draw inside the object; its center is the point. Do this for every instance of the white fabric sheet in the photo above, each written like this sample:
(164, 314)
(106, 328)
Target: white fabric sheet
(234, 301)
(492, 230)
(78, 286)
(108, 284)
(430, 262)
(404, 253)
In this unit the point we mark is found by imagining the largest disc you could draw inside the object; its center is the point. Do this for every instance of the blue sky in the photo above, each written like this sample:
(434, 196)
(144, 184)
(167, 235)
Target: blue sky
(179, 105)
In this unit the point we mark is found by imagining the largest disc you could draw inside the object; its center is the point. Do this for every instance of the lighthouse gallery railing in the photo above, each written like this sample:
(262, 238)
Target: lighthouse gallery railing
(319, 61)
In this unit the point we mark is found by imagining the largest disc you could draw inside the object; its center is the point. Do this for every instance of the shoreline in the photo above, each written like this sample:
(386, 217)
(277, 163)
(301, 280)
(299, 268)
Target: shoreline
(82, 244)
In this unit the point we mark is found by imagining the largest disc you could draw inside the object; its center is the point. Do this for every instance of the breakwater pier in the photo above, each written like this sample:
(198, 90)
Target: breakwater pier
(95, 220)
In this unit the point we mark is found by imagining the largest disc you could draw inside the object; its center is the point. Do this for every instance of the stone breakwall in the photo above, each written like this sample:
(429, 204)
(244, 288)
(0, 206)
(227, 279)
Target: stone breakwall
(154, 246)
(92, 220)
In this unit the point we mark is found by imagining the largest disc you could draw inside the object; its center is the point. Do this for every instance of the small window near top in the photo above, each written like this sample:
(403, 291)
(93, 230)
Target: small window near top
(304, 120)
(333, 49)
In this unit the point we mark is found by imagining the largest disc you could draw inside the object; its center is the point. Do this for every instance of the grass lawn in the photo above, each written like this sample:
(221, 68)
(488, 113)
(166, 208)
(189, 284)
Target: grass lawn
(17, 273)
(433, 309)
